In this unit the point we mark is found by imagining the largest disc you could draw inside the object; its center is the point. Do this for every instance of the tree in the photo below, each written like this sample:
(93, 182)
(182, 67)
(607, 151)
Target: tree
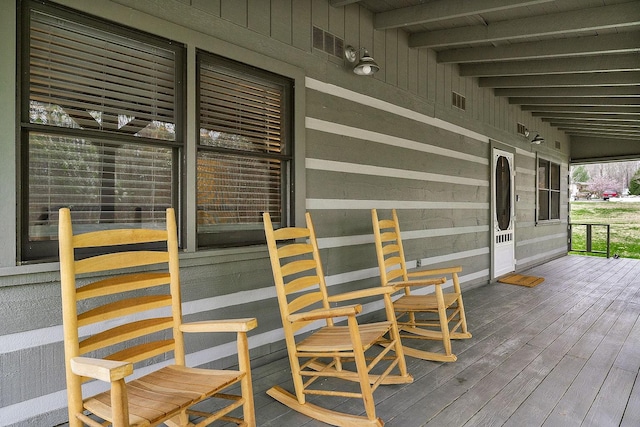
(621, 172)
(634, 184)
(580, 174)
(600, 183)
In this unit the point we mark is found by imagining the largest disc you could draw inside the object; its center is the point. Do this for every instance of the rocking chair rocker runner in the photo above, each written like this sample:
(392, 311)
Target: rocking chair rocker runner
(325, 353)
(438, 316)
(128, 317)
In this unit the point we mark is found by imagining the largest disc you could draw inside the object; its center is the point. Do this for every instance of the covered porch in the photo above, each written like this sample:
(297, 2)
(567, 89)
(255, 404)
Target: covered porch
(564, 353)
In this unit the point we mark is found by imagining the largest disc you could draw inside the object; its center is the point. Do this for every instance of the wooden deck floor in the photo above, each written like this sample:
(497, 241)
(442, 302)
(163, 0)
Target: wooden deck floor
(564, 353)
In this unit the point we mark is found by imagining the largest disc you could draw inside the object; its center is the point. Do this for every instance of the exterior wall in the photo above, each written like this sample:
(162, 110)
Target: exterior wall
(388, 141)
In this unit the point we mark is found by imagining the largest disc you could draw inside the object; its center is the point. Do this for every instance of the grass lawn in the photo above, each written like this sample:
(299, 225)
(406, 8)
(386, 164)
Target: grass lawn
(624, 218)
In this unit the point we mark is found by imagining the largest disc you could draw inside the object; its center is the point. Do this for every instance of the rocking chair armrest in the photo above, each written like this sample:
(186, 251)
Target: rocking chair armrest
(101, 369)
(225, 325)
(421, 282)
(361, 293)
(326, 313)
(435, 271)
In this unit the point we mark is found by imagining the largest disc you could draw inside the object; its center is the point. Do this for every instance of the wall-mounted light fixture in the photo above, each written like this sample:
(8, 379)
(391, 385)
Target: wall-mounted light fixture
(536, 139)
(366, 66)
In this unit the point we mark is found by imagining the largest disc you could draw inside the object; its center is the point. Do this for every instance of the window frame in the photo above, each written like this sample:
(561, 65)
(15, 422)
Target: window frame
(42, 251)
(549, 194)
(251, 236)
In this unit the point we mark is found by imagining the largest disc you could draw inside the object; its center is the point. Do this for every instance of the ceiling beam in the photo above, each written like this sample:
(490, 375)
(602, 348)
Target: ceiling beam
(592, 149)
(601, 135)
(601, 91)
(552, 100)
(588, 19)
(580, 131)
(575, 46)
(340, 3)
(590, 64)
(603, 117)
(617, 109)
(631, 125)
(622, 78)
(439, 10)
(602, 132)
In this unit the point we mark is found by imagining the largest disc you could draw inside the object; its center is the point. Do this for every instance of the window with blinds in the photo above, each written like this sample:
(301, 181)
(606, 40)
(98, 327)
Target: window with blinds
(244, 151)
(100, 125)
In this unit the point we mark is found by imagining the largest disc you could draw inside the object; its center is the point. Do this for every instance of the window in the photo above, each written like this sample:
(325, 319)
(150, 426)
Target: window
(244, 153)
(548, 190)
(101, 127)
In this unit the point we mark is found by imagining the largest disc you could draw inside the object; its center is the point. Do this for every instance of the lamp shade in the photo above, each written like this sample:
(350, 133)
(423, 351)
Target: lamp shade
(366, 66)
(537, 139)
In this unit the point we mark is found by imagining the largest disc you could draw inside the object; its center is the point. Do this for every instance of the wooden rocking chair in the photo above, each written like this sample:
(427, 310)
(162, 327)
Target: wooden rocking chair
(438, 316)
(129, 317)
(325, 353)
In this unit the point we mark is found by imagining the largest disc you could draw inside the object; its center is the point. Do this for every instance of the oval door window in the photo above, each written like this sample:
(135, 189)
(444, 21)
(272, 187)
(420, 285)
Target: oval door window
(503, 193)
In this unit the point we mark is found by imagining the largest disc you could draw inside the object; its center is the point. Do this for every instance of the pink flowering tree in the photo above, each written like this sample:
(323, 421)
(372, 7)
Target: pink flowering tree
(598, 184)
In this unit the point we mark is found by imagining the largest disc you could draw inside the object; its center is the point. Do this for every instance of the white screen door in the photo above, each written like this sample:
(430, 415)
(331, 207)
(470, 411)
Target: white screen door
(503, 221)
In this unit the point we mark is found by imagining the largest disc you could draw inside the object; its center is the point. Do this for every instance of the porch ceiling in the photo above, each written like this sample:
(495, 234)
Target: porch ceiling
(574, 64)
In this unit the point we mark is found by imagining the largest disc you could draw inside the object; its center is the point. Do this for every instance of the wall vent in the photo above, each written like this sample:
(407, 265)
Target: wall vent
(327, 42)
(458, 101)
(522, 129)
(318, 38)
(558, 145)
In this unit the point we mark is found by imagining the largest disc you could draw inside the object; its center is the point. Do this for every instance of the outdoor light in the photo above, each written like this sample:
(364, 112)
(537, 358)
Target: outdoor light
(366, 65)
(536, 139)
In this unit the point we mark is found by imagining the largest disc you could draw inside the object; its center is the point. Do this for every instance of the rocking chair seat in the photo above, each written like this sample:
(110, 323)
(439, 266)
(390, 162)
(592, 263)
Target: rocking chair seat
(417, 303)
(167, 391)
(337, 338)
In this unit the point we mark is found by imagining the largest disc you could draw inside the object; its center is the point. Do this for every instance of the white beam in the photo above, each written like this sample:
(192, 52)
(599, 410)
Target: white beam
(588, 19)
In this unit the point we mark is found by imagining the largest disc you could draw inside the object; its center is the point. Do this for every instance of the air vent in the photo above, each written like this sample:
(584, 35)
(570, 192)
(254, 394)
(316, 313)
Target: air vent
(318, 38)
(558, 145)
(458, 101)
(522, 129)
(327, 42)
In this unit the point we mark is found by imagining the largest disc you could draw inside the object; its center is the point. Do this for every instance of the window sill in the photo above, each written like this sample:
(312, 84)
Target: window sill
(47, 272)
(549, 222)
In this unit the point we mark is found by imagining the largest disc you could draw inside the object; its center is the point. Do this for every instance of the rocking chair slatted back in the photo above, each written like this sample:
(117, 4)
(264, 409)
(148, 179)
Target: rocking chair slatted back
(301, 279)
